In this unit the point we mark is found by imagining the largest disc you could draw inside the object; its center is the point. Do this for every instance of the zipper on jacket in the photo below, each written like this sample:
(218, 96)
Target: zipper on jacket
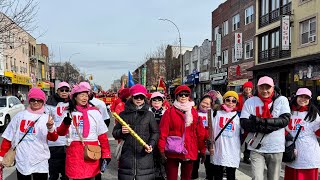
(135, 148)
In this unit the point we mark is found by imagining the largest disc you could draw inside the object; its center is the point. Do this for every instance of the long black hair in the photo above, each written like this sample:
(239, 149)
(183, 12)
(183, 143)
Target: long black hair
(312, 112)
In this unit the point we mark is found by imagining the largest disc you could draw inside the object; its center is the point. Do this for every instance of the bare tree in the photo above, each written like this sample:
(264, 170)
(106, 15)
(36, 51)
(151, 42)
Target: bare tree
(67, 72)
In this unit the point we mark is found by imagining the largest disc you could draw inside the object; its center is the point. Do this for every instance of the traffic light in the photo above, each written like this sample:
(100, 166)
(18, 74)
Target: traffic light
(90, 78)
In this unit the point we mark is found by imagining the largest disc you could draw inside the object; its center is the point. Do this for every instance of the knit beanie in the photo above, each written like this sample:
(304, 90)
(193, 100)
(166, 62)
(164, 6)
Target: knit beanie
(231, 94)
(36, 93)
(248, 84)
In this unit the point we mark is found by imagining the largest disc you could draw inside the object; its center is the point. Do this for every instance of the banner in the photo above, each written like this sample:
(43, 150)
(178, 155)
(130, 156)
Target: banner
(285, 26)
(218, 45)
(238, 45)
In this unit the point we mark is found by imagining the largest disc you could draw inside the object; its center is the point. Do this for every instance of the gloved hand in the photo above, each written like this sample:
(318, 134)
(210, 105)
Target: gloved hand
(260, 121)
(163, 157)
(203, 158)
(67, 120)
(104, 163)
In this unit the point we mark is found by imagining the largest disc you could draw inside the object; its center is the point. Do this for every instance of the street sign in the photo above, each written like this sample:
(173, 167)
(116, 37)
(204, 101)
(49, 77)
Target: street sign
(238, 45)
(218, 45)
(285, 26)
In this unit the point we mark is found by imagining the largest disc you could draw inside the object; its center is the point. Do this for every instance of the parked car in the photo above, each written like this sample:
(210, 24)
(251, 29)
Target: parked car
(9, 107)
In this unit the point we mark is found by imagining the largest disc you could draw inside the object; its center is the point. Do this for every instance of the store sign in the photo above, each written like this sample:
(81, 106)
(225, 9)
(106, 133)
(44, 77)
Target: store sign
(238, 45)
(204, 76)
(239, 82)
(19, 79)
(5, 80)
(285, 26)
(218, 75)
(218, 45)
(53, 73)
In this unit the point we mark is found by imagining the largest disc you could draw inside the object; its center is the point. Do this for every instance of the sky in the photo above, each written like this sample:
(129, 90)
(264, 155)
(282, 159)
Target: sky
(109, 38)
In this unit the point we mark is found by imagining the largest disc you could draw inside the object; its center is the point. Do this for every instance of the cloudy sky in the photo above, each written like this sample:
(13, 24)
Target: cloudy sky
(108, 38)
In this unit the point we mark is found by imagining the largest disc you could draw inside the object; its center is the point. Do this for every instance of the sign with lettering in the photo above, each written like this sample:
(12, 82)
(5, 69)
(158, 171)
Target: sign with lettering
(238, 45)
(285, 27)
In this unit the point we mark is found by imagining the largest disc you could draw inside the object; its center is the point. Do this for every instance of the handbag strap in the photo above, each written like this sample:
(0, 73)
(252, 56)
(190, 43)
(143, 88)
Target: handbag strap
(295, 138)
(77, 129)
(225, 126)
(28, 129)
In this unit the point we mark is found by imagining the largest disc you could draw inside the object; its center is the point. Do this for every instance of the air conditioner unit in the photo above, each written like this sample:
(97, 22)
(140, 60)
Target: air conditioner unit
(312, 38)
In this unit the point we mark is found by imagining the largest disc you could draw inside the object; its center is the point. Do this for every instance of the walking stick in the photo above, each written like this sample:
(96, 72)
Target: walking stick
(134, 134)
(210, 143)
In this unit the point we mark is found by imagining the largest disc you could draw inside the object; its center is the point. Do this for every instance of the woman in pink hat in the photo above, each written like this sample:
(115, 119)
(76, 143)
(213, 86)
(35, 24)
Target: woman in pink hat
(305, 116)
(135, 161)
(32, 153)
(91, 130)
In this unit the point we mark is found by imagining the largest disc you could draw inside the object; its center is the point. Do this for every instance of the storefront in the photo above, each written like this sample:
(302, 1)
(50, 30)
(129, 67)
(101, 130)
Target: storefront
(219, 80)
(5, 85)
(192, 81)
(175, 83)
(238, 75)
(204, 80)
(19, 83)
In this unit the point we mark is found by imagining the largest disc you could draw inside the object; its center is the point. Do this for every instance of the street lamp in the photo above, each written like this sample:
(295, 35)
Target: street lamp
(72, 55)
(181, 63)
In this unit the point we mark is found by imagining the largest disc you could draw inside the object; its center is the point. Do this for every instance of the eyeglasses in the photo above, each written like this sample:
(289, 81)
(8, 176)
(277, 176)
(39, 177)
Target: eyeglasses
(140, 96)
(36, 100)
(233, 101)
(64, 90)
(157, 99)
(184, 94)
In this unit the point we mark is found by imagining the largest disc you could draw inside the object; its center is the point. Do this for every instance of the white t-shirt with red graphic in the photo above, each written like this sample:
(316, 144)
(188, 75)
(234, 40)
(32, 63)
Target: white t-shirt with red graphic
(32, 153)
(275, 141)
(58, 113)
(97, 126)
(308, 149)
(227, 147)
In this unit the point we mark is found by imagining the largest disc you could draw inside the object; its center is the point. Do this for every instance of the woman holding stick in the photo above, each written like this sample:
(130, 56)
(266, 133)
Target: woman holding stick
(136, 161)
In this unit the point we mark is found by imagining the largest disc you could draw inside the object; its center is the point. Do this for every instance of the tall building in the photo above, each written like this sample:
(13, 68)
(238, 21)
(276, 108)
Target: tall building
(233, 30)
(42, 67)
(287, 44)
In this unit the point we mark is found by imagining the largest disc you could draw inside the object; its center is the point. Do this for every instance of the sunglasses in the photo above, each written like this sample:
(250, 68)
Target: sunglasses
(36, 100)
(229, 101)
(64, 90)
(139, 97)
(184, 94)
(157, 99)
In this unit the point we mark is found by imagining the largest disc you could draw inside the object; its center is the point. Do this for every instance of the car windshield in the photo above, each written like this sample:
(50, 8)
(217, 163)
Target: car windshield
(3, 102)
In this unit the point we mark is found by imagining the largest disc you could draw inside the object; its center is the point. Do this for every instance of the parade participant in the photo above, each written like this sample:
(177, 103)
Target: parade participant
(304, 115)
(246, 94)
(265, 116)
(97, 103)
(136, 162)
(157, 108)
(84, 127)
(181, 120)
(32, 153)
(56, 106)
(124, 96)
(115, 102)
(206, 103)
(226, 138)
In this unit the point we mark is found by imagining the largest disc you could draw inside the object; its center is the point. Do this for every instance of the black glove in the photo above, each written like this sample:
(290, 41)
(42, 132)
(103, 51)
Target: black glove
(203, 158)
(163, 157)
(104, 163)
(208, 144)
(260, 121)
(67, 120)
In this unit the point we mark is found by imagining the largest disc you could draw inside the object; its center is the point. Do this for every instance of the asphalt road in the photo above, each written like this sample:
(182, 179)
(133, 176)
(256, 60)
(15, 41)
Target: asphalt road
(243, 173)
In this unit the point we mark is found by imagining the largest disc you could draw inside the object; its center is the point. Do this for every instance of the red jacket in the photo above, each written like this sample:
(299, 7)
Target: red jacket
(172, 124)
(120, 107)
(241, 102)
(114, 104)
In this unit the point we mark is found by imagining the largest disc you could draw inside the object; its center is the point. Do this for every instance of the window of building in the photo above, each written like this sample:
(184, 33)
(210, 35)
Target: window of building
(264, 43)
(275, 39)
(225, 28)
(215, 60)
(286, 1)
(225, 56)
(264, 7)
(233, 55)
(248, 48)
(186, 69)
(195, 64)
(216, 32)
(308, 31)
(275, 4)
(235, 22)
(249, 15)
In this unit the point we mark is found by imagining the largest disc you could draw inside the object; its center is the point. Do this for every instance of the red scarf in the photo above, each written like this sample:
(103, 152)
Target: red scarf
(265, 109)
(301, 109)
(86, 125)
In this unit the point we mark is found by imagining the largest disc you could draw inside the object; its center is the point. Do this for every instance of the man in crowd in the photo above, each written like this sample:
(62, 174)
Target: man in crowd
(264, 116)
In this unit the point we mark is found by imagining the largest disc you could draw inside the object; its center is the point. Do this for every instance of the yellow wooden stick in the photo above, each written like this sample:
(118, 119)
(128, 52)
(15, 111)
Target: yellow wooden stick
(134, 134)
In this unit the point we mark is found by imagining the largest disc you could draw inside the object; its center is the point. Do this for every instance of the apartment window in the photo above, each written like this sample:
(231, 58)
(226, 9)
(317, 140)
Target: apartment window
(215, 60)
(248, 48)
(233, 55)
(275, 39)
(275, 4)
(249, 15)
(186, 69)
(225, 57)
(264, 43)
(264, 7)
(286, 1)
(216, 32)
(308, 31)
(235, 22)
(225, 28)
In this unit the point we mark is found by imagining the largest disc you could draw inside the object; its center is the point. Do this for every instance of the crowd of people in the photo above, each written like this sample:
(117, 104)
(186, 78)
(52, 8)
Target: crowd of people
(55, 137)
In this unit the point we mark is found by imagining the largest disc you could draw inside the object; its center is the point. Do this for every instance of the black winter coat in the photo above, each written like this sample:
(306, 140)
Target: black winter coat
(134, 162)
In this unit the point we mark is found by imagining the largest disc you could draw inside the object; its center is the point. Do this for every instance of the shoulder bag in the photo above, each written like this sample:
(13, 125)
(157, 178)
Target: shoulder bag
(289, 154)
(9, 157)
(91, 152)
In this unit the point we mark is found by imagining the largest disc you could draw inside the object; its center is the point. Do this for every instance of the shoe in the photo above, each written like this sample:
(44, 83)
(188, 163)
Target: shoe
(247, 161)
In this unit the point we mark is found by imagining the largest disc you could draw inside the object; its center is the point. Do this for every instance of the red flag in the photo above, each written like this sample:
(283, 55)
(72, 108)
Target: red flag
(162, 84)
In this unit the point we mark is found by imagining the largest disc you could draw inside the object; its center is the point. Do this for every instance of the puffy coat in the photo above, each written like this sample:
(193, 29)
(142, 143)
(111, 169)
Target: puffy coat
(172, 124)
(134, 162)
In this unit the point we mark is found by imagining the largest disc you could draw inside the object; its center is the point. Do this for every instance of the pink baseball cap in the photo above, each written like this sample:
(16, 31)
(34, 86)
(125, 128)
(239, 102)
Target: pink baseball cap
(138, 89)
(85, 84)
(63, 84)
(156, 94)
(266, 80)
(304, 91)
(78, 88)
